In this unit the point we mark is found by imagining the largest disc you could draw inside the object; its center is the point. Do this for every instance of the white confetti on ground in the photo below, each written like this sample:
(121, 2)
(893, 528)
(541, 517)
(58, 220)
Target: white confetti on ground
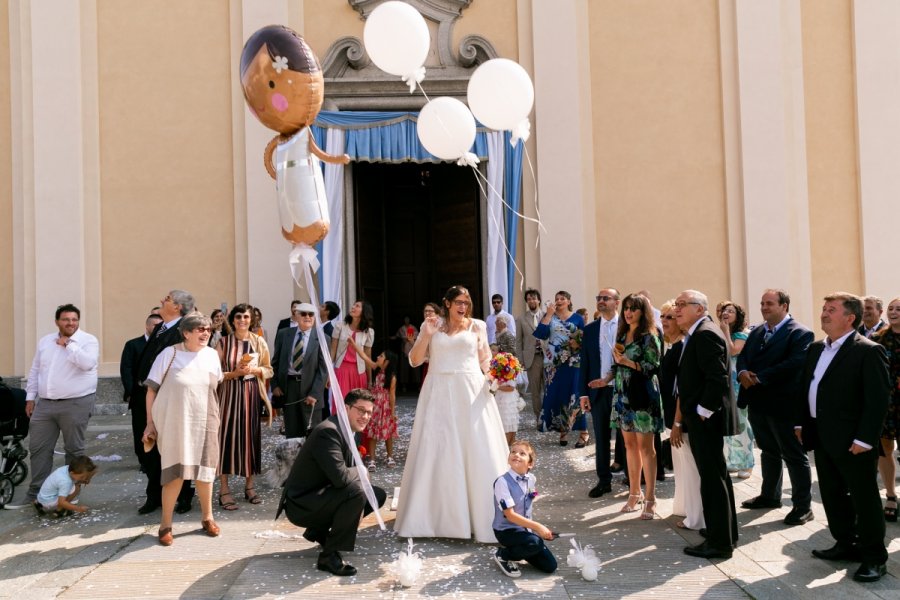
(271, 534)
(110, 458)
(102, 436)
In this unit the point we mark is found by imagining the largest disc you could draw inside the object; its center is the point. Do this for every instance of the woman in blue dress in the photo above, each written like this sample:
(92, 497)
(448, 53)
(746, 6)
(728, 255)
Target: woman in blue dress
(561, 331)
(738, 448)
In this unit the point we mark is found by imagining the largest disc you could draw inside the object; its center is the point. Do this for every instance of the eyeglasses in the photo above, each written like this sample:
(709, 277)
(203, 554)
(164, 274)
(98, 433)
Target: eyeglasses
(202, 329)
(241, 317)
(496, 301)
(305, 314)
(681, 304)
(365, 413)
(668, 317)
(461, 303)
(428, 311)
(604, 298)
(631, 308)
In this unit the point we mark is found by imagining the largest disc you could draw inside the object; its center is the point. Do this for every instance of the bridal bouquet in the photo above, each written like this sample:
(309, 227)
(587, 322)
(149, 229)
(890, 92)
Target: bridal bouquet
(504, 367)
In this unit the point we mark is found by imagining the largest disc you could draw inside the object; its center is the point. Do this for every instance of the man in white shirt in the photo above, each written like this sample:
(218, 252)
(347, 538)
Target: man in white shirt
(847, 388)
(60, 394)
(491, 321)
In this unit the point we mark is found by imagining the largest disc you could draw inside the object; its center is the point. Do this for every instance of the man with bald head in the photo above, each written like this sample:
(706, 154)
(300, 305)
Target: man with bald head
(703, 386)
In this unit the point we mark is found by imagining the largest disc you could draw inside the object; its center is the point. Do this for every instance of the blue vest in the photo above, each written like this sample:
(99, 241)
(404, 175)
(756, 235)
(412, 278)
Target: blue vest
(522, 504)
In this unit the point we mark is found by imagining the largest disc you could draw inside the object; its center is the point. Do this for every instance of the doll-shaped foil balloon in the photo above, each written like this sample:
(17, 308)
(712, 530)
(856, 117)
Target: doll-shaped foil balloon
(283, 86)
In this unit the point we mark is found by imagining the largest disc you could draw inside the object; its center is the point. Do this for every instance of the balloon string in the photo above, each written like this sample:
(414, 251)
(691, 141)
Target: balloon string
(514, 211)
(537, 211)
(340, 408)
(478, 177)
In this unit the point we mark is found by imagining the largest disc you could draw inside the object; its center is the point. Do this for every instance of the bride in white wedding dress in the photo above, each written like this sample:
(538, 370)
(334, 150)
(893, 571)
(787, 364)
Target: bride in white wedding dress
(458, 447)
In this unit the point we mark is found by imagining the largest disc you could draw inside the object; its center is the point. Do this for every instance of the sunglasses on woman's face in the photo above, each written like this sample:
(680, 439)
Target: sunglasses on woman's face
(202, 329)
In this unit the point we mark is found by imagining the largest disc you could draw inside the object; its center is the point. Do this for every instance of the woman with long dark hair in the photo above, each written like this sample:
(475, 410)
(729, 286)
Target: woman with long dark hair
(637, 404)
(458, 448)
(738, 448)
(352, 338)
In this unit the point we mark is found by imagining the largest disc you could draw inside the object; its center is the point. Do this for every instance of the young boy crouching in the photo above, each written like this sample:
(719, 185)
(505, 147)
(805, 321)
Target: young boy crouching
(59, 492)
(520, 537)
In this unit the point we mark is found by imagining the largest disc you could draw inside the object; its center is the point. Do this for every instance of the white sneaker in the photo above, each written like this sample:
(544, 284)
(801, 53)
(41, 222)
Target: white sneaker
(509, 568)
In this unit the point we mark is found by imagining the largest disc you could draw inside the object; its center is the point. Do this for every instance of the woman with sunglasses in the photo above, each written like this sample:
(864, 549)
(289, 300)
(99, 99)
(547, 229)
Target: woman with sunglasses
(242, 395)
(637, 403)
(457, 448)
(183, 420)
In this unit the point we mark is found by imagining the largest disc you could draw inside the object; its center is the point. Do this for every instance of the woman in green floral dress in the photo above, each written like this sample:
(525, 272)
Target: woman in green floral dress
(637, 403)
(738, 448)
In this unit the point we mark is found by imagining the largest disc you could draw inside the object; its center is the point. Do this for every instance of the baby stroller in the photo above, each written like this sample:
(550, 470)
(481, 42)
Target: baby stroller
(13, 429)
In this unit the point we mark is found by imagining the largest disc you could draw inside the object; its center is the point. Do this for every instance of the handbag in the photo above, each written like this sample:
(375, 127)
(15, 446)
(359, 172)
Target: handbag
(638, 391)
(151, 441)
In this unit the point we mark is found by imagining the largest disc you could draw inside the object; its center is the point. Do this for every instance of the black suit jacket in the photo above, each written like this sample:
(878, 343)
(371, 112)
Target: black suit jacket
(322, 466)
(778, 364)
(591, 361)
(703, 374)
(851, 398)
(155, 345)
(284, 323)
(668, 370)
(128, 363)
(313, 372)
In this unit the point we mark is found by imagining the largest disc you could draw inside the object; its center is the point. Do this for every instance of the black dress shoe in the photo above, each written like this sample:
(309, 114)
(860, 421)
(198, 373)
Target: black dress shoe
(868, 573)
(148, 507)
(334, 564)
(183, 506)
(704, 550)
(798, 516)
(760, 502)
(599, 489)
(838, 552)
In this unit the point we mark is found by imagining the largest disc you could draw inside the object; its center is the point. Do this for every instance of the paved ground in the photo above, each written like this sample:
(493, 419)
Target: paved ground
(112, 552)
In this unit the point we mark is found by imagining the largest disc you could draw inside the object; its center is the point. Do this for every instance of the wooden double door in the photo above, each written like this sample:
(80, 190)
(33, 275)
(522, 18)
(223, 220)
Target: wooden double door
(417, 232)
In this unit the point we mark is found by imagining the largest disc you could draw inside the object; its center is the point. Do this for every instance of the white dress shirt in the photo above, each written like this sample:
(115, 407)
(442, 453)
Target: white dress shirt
(608, 330)
(828, 354)
(60, 372)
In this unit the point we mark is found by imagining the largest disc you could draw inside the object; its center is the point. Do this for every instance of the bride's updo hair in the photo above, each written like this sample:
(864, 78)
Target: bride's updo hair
(452, 294)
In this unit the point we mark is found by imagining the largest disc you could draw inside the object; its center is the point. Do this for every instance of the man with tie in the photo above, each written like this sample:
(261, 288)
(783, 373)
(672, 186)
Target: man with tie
(132, 352)
(300, 372)
(873, 307)
(323, 492)
(595, 381)
(703, 385)
(769, 369)
(174, 306)
(846, 388)
(529, 351)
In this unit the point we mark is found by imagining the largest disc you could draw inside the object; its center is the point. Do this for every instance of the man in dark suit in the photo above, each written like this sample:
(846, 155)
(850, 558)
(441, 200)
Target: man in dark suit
(300, 373)
(289, 321)
(846, 386)
(703, 385)
(328, 312)
(595, 377)
(174, 306)
(132, 352)
(872, 323)
(769, 369)
(323, 492)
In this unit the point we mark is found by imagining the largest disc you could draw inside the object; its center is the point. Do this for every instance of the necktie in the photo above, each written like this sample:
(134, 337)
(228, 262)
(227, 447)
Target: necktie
(535, 318)
(162, 329)
(767, 335)
(297, 358)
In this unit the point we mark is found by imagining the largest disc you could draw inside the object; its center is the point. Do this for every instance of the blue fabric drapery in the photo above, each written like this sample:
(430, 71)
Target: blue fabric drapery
(391, 137)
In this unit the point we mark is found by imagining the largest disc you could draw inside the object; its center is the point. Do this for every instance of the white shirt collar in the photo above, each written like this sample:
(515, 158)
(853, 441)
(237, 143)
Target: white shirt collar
(836, 344)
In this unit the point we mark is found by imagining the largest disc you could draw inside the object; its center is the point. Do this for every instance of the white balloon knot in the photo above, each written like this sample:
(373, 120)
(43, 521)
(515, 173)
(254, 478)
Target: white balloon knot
(522, 131)
(414, 78)
(468, 160)
(301, 253)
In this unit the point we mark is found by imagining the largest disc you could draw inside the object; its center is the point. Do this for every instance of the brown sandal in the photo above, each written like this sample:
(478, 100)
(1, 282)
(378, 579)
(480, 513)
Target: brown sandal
(228, 505)
(210, 527)
(165, 536)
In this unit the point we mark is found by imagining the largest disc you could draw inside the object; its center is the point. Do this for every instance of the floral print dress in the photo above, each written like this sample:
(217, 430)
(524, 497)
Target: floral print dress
(739, 448)
(645, 351)
(891, 343)
(562, 357)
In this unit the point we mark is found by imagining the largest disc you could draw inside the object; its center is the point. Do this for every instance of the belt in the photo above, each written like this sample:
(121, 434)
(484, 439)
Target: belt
(56, 399)
(294, 377)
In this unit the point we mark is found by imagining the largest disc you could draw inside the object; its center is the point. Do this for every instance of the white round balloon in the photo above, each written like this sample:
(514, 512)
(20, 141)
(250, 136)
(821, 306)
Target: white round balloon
(396, 38)
(500, 94)
(446, 128)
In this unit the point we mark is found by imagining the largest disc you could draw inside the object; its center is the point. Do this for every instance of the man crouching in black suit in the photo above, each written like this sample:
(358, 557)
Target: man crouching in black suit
(323, 492)
(847, 389)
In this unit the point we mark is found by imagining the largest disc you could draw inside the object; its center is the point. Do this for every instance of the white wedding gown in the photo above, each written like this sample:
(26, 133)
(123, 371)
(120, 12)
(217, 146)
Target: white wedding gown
(457, 448)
